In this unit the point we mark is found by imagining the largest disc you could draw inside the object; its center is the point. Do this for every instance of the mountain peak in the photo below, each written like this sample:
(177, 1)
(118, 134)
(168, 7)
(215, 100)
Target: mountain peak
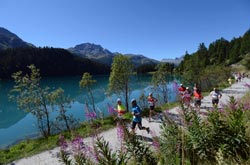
(89, 49)
(11, 40)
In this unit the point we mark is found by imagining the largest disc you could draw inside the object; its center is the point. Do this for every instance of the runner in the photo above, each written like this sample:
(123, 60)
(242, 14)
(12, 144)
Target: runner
(151, 102)
(216, 95)
(137, 119)
(197, 98)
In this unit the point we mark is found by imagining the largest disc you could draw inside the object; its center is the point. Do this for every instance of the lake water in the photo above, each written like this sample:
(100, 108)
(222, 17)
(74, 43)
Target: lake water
(16, 125)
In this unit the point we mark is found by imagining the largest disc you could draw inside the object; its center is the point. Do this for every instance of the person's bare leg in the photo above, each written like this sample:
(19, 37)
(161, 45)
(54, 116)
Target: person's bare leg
(150, 115)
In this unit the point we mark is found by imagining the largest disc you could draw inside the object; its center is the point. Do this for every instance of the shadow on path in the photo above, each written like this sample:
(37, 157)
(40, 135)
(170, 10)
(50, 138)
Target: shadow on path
(144, 138)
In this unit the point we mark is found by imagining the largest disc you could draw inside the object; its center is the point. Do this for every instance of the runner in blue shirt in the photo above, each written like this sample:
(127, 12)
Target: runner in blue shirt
(137, 120)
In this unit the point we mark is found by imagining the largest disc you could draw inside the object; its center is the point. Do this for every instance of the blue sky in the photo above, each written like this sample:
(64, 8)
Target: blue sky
(154, 28)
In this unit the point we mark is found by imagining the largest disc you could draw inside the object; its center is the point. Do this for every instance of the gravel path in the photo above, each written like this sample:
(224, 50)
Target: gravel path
(51, 157)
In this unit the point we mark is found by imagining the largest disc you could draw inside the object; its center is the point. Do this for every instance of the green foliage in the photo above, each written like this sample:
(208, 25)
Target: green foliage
(85, 83)
(159, 79)
(105, 156)
(145, 68)
(245, 43)
(31, 97)
(121, 71)
(170, 141)
(234, 53)
(246, 61)
(61, 103)
(221, 137)
(140, 152)
(221, 53)
(214, 75)
(65, 158)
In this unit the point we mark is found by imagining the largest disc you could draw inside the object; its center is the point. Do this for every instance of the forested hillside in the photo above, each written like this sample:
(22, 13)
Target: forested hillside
(213, 63)
(50, 61)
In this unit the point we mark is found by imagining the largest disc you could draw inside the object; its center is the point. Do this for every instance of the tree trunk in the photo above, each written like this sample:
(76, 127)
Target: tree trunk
(126, 98)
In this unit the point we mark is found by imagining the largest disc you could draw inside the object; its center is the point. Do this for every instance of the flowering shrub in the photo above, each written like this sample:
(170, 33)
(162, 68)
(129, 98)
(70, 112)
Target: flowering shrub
(223, 136)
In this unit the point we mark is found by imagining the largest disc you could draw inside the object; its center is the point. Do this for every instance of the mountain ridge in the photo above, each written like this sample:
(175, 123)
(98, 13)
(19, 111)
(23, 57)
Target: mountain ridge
(87, 50)
(11, 40)
(99, 54)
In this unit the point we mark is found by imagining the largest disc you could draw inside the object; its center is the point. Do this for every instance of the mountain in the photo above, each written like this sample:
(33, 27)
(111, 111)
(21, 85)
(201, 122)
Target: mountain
(102, 55)
(90, 51)
(93, 52)
(138, 60)
(175, 61)
(11, 40)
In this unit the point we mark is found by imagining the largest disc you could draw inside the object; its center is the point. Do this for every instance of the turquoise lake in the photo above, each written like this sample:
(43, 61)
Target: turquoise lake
(16, 125)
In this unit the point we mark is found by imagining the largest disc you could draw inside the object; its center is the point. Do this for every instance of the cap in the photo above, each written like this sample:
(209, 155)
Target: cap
(133, 100)
(187, 88)
(181, 84)
(118, 100)
(150, 93)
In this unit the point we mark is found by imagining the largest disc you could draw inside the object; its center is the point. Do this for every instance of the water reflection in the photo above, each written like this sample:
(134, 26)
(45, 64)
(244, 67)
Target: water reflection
(9, 114)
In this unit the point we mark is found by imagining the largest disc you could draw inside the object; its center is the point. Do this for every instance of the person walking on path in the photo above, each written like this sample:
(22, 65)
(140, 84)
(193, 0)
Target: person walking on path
(216, 95)
(151, 102)
(137, 119)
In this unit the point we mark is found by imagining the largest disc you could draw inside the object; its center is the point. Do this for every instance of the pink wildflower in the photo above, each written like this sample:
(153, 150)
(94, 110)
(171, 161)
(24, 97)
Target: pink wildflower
(246, 106)
(111, 110)
(77, 144)
(63, 144)
(90, 115)
(120, 132)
